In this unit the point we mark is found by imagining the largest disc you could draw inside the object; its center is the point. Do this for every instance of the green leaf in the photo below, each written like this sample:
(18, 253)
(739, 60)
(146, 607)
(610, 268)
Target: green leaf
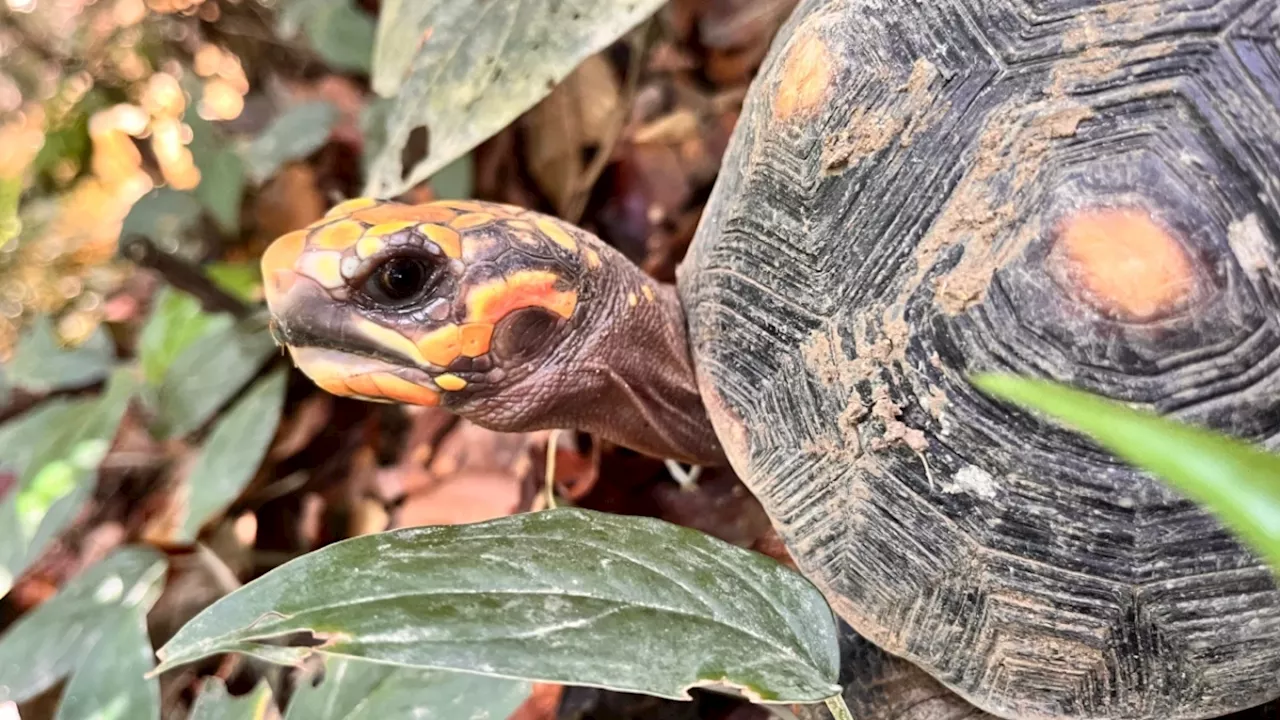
(342, 34)
(56, 638)
(356, 690)
(467, 70)
(10, 194)
(1235, 480)
(112, 682)
(567, 596)
(241, 279)
(208, 373)
(297, 133)
(164, 215)
(215, 703)
(176, 321)
(232, 453)
(57, 470)
(455, 181)
(221, 187)
(41, 364)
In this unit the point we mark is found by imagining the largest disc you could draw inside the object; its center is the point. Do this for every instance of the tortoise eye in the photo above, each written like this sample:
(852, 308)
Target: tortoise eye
(398, 281)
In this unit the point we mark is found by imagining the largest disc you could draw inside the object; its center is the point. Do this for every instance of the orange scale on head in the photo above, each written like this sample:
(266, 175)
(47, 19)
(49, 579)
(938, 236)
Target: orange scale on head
(441, 346)
(363, 385)
(492, 301)
(323, 266)
(463, 205)
(558, 234)
(383, 230)
(475, 339)
(471, 220)
(350, 206)
(336, 236)
(384, 213)
(429, 213)
(447, 239)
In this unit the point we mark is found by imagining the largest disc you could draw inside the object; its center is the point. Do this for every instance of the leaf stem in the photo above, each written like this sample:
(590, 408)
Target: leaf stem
(838, 709)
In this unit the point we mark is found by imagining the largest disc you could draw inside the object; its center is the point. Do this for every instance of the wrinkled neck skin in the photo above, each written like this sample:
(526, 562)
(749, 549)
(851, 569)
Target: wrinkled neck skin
(623, 373)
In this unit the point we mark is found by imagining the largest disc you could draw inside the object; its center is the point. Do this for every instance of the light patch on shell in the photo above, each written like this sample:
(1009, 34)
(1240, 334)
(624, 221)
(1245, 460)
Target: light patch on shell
(558, 235)
(973, 480)
(593, 259)
(450, 382)
(807, 74)
(632, 300)
(647, 292)
(323, 266)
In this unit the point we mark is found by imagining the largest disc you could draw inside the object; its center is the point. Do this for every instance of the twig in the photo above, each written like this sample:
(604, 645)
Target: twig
(182, 275)
(550, 479)
(686, 479)
(640, 43)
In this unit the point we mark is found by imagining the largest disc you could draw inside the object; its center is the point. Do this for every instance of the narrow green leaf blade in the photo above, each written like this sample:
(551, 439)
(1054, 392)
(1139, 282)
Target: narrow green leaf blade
(112, 682)
(1238, 482)
(175, 322)
(357, 690)
(467, 70)
(50, 642)
(567, 595)
(215, 703)
(233, 452)
(41, 364)
(208, 373)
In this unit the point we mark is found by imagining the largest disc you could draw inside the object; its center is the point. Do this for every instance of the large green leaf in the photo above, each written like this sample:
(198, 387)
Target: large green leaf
(465, 70)
(164, 215)
(208, 373)
(298, 132)
(567, 596)
(215, 703)
(42, 364)
(342, 34)
(357, 690)
(112, 682)
(1235, 480)
(55, 453)
(56, 638)
(175, 322)
(232, 453)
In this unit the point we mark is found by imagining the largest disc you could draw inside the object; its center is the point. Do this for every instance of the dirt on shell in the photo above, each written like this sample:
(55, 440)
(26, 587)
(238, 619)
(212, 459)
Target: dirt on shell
(906, 111)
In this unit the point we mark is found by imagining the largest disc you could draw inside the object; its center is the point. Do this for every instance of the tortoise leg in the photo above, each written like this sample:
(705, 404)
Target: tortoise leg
(880, 686)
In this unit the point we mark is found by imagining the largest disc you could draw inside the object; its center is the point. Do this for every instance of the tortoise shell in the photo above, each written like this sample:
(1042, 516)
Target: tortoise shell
(1086, 191)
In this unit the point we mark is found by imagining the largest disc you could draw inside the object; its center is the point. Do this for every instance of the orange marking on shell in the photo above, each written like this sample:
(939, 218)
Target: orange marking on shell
(368, 246)
(450, 382)
(337, 235)
(471, 220)
(389, 228)
(632, 299)
(349, 206)
(401, 390)
(280, 255)
(447, 239)
(807, 73)
(1126, 263)
(388, 339)
(323, 266)
(441, 346)
(593, 259)
(475, 339)
(492, 301)
(558, 235)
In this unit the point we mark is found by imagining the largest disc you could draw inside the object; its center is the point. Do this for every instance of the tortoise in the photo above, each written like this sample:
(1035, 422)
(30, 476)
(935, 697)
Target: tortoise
(917, 190)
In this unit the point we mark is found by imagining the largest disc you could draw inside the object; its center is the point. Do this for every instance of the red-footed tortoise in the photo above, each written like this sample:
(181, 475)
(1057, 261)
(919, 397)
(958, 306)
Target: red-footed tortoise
(917, 190)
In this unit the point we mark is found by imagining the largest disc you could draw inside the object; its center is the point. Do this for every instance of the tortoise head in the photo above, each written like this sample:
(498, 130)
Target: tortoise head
(445, 303)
